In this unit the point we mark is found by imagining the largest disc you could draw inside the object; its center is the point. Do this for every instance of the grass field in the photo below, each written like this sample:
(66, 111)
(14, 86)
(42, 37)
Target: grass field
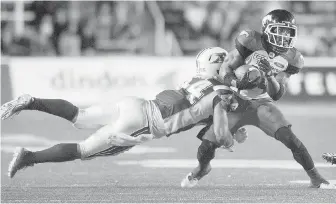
(260, 170)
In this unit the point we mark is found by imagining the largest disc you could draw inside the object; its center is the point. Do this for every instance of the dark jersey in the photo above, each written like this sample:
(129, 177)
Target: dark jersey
(250, 46)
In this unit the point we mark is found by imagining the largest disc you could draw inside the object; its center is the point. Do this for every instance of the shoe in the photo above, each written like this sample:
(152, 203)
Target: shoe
(19, 161)
(328, 186)
(189, 181)
(229, 149)
(15, 106)
(329, 157)
(316, 180)
(192, 178)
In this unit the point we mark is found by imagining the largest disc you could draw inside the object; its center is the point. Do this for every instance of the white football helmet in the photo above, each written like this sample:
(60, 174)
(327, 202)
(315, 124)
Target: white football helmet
(209, 61)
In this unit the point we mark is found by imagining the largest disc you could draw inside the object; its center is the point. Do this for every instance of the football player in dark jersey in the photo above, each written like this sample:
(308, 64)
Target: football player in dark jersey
(273, 52)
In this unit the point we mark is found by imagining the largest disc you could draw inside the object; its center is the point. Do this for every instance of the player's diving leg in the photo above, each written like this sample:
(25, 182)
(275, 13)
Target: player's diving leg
(93, 117)
(58, 107)
(274, 124)
(132, 120)
(206, 151)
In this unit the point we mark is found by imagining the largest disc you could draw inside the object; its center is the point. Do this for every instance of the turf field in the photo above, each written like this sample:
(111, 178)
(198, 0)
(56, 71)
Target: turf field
(260, 170)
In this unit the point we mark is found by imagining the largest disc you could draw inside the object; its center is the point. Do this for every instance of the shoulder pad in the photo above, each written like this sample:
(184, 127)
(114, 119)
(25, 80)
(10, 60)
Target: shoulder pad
(295, 61)
(246, 42)
(245, 37)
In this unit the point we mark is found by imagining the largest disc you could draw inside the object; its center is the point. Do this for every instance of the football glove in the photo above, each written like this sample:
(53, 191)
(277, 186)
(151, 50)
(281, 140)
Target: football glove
(265, 66)
(231, 80)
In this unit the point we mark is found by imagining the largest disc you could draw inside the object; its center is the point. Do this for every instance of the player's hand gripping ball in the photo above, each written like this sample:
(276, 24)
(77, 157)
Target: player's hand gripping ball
(265, 66)
(249, 76)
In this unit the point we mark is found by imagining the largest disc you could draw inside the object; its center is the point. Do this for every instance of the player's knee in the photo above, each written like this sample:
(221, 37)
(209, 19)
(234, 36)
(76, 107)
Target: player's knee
(288, 138)
(202, 132)
(206, 151)
(83, 151)
(79, 118)
(88, 118)
(272, 114)
(265, 114)
(88, 149)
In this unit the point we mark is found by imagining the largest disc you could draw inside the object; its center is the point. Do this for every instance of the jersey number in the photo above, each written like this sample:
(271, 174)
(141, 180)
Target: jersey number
(197, 90)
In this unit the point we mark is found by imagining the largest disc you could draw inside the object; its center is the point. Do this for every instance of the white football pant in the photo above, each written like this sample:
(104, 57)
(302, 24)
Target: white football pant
(122, 125)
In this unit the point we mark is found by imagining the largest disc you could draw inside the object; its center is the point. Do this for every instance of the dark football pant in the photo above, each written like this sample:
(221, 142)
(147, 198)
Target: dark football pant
(263, 114)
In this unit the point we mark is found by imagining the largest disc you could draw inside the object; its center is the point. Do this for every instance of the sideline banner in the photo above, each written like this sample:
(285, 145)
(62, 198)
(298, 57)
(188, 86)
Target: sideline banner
(313, 83)
(85, 81)
(89, 80)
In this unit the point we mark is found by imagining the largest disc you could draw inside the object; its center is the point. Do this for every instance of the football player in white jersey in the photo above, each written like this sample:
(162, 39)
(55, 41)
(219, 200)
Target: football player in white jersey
(133, 120)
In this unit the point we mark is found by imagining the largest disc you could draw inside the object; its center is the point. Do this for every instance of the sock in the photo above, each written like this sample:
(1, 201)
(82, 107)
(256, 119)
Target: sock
(300, 152)
(59, 153)
(315, 176)
(206, 152)
(58, 107)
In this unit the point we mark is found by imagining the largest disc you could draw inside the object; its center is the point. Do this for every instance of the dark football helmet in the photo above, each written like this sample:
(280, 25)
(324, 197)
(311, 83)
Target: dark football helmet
(279, 30)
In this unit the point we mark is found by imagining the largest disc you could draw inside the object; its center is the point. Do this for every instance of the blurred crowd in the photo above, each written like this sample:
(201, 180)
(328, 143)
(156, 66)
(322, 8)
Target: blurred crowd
(204, 24)
(76, 28)
(73, 28)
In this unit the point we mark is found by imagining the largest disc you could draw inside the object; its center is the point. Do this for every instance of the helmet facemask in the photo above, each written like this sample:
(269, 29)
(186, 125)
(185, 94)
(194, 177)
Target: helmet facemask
(281, 35)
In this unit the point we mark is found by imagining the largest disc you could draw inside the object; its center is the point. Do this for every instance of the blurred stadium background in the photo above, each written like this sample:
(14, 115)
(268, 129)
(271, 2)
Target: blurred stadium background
(168, 28)
(95, 52)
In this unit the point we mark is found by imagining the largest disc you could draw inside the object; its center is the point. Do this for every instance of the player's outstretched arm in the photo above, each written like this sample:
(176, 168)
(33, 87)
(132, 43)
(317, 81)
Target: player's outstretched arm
(220, 121)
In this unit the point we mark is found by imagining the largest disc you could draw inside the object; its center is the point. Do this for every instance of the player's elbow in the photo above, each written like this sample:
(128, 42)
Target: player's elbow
(276, 97)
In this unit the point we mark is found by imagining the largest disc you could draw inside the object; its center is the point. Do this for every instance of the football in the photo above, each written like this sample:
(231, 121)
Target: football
(253, 73)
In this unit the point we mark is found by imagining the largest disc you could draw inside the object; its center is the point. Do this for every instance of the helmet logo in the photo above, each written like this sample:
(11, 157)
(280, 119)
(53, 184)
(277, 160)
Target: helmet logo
(209, 61)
